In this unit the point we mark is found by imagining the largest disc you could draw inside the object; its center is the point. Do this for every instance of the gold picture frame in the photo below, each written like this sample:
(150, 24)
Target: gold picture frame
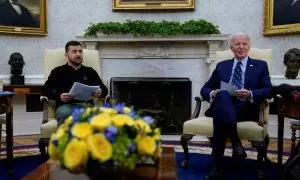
(23, 17)
(281, 17)
(153, 5)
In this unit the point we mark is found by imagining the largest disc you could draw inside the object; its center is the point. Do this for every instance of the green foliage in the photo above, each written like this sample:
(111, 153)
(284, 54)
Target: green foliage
(150, 28)
(120, 151)
(62, 144)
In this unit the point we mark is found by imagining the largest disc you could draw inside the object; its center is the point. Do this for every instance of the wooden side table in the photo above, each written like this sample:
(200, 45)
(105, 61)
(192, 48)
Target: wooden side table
(286, 109)
(24, 89)
(6, 107)
(295, 126)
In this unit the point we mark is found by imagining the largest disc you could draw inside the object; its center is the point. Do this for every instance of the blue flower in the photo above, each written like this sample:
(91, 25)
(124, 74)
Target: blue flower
(106, 104)
(55, 142)
(120, 108)
(70, 132)
(132, 114)
(76, 113)
(110, 133)
(110, 136)
(112, 129)
(132, 148)
(148, 119)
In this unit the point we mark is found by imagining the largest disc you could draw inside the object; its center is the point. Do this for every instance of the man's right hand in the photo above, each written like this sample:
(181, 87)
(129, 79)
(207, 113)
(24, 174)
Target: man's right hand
(65, 97)
(214, 93)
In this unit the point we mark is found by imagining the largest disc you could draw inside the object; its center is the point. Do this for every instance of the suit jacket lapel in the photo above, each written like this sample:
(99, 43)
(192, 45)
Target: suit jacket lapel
(249, 69)
(228, 70)
(11, 10)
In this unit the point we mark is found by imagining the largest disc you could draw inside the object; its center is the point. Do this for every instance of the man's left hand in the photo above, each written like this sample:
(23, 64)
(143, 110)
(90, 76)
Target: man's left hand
(243, 93)
(96, 94)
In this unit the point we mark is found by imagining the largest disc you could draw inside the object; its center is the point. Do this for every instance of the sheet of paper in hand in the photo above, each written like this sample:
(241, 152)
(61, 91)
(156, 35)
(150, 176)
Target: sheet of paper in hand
(83, 92)
(229, 88)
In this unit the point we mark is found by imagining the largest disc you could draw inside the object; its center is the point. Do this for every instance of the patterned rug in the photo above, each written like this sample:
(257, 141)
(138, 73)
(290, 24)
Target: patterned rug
(21, 151)
(196, 148)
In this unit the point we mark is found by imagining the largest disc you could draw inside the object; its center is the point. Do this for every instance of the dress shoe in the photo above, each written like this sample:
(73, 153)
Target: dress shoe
(215, 174)
(238, 152)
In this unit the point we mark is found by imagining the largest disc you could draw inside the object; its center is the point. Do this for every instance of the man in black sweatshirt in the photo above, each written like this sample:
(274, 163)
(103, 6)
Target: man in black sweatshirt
(63, 77)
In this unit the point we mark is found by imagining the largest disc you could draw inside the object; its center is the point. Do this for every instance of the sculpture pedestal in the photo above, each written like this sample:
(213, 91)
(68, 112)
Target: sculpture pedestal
(17, 80)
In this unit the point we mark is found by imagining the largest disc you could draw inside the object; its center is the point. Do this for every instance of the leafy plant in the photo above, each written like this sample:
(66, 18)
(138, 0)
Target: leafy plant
(150, 28)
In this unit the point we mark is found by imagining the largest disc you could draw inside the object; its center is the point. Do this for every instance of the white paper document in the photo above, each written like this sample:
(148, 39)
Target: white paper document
(83, 92)
(231, 89)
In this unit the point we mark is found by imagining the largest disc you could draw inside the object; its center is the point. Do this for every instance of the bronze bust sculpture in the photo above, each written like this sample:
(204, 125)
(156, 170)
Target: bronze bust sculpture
(292, 63)
(17, 63)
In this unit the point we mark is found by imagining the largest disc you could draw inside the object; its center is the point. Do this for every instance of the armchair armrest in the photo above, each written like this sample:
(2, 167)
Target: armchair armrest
(197, 108)
(44, 101)
(48, 109)
(264, 112)
(106, 100)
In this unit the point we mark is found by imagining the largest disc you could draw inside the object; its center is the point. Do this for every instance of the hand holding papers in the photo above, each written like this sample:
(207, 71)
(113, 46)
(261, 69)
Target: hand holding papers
(83, 92)
(229, 88)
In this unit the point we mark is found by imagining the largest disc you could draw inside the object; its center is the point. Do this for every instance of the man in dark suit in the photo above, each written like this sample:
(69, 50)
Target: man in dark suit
(251, 77)
(13, 13)
(286, 12)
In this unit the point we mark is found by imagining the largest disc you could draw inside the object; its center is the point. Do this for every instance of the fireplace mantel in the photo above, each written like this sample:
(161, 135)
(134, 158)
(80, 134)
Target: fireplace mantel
(157, 47)
(131, 38)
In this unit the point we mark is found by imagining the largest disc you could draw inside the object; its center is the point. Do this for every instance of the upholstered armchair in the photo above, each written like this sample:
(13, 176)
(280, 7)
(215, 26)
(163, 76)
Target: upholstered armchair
(256, 132)
(52, 59)
(2, 121)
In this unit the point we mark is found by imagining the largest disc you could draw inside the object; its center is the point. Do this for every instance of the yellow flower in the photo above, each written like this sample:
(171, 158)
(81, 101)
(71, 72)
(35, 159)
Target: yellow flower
(82, 130)
(61, 131)
(109, 111)
(142, 125)
(101, 121)
(157, 134)
(75, 154)
(120, 120)
(68, 121)
(94, 109)
(146, 145)
(158, 152)
(99, 147)
(126, 110)
(52, 149)
(88, 110)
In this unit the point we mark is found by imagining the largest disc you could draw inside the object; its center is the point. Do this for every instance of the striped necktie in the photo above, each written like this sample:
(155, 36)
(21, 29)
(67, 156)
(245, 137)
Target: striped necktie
(237, 76)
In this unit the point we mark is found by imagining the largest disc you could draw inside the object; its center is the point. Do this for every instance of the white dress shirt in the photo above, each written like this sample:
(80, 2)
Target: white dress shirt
(294, 1)
(16, 7)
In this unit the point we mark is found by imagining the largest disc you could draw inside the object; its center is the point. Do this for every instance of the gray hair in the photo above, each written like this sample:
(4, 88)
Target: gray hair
(238, 34)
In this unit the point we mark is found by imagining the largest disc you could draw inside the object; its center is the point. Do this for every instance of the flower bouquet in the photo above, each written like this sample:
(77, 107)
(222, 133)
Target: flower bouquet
(105, 141)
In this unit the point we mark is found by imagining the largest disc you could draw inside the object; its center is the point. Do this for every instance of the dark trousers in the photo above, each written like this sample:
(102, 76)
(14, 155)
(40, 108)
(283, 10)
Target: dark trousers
(65, 110)
(226, 112)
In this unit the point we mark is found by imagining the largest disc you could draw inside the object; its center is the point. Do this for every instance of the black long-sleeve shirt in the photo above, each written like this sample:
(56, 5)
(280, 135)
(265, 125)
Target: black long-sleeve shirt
(63, 77)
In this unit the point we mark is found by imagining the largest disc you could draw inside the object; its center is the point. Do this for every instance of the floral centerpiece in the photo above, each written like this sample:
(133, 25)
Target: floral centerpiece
(102, 140)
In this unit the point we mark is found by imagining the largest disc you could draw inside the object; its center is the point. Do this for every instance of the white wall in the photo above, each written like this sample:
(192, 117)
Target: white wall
(69, 18)
(24, 123)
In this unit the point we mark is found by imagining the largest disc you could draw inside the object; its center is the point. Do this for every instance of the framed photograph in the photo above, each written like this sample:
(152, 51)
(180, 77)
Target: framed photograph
(153, 4)
(23, 17)
(281, 17)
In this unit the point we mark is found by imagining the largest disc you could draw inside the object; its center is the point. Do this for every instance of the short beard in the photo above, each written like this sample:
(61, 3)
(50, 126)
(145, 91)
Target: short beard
(75, 63)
